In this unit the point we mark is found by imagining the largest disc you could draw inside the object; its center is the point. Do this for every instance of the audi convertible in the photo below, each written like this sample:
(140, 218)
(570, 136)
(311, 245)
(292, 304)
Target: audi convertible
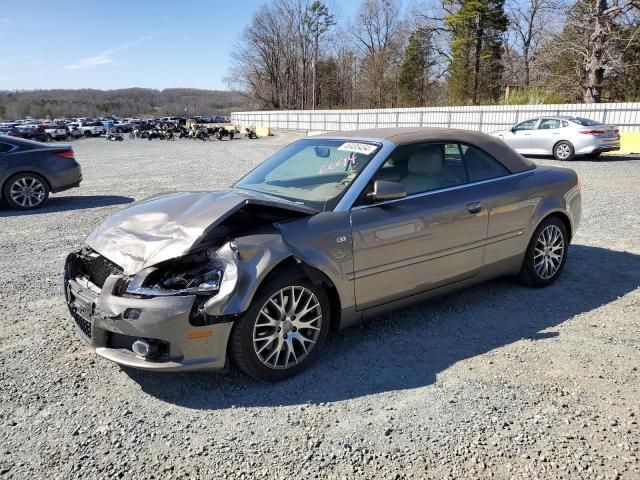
(327, 232)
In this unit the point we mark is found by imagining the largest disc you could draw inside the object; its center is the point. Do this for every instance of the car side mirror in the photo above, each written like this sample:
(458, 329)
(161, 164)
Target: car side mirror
(387, 190)
(513, 129)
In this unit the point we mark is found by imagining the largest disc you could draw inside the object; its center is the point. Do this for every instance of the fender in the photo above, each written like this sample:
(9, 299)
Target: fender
(259, 254)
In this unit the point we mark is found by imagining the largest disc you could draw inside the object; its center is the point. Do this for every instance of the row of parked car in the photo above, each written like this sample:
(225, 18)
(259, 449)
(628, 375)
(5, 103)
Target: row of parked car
(70, 128)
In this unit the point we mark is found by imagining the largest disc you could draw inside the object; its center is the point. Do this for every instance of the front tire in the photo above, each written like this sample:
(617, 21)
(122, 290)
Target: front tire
(564, 151)
(546, 254)
(283, 331)
(26, 191)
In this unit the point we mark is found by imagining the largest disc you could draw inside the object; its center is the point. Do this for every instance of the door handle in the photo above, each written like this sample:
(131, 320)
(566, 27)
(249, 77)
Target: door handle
(475, 207)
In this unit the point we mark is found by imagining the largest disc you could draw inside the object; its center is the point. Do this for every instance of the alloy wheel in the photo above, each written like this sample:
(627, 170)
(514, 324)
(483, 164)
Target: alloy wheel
(549, 252)
(287, 328)
(27, 192)
(563, 151)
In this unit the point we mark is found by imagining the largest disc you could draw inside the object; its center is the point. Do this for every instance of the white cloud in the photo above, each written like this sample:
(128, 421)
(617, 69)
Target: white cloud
(90, 62)
(106, 57)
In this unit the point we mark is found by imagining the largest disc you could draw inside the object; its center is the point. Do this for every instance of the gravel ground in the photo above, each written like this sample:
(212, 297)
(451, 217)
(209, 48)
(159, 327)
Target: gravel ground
(497, 381)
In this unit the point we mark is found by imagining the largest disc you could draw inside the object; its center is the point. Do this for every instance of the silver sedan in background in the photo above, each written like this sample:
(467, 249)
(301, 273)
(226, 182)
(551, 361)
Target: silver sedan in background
(562, 137)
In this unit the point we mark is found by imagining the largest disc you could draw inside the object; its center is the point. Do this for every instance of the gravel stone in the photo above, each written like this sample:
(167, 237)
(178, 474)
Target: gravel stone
(498, 381)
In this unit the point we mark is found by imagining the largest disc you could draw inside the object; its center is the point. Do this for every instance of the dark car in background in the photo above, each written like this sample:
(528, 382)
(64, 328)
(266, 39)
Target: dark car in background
(29, 171)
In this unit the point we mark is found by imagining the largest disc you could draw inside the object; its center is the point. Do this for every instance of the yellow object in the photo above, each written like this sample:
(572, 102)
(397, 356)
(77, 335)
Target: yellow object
(263, 131)
(629, 143)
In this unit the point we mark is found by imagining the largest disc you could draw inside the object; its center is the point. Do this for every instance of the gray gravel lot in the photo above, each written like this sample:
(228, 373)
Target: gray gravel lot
(498, 381)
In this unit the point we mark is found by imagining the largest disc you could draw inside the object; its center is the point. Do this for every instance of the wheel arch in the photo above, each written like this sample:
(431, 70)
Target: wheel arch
(562, 216)
(297, 267)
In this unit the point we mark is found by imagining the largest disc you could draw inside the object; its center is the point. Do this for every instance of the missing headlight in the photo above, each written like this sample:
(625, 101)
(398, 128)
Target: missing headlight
(197, 274)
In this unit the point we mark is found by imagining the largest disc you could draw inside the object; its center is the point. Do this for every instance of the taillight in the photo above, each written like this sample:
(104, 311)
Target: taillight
(592, 132)
(65, 153)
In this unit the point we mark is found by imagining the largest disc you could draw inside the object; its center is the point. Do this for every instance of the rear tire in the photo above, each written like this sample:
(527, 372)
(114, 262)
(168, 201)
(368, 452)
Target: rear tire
(26, 191)
(88, 134)
(546, 254)
(564, 151)
(280, 335)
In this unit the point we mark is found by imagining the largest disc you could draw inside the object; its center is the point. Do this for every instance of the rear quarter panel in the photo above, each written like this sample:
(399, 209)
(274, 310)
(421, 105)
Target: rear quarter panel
(518, 205)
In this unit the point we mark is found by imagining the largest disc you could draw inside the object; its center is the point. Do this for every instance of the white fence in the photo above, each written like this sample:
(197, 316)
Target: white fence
(483, 118)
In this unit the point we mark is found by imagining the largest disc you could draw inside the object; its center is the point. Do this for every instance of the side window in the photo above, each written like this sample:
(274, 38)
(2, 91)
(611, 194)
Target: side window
(5, 147)
(528, 125)
(481, 165)
(565, 124)
(548, 124)
(422, 167)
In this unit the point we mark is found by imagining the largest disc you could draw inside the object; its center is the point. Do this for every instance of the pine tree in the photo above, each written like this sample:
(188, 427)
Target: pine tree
(414, 79)
(475, 69)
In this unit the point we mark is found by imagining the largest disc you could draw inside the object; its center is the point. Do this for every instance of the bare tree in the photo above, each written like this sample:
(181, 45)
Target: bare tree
(529, 22)
(379, 36)
(595, 36)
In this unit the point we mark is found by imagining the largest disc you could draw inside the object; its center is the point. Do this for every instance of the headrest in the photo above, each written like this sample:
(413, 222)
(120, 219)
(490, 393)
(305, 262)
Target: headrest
(426, 161)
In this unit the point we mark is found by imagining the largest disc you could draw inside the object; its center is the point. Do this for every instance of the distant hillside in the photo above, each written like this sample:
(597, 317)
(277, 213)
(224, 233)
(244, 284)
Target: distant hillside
(125, 102)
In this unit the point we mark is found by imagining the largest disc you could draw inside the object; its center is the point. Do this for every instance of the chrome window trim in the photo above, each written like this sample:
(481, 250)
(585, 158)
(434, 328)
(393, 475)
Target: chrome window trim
(446, 189)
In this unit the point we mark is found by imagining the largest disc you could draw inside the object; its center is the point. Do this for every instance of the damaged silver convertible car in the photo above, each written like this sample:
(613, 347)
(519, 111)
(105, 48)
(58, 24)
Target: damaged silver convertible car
(328, 231)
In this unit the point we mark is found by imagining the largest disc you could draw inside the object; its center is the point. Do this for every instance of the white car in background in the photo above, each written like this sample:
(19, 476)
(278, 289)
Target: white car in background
(562, 137)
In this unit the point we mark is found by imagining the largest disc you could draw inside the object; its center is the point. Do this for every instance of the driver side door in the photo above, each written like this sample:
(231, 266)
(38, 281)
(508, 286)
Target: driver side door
(428, 239)
(519, 138)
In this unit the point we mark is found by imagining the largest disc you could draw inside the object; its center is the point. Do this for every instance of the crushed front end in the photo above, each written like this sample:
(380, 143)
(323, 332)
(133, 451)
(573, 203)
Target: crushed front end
(154, 319)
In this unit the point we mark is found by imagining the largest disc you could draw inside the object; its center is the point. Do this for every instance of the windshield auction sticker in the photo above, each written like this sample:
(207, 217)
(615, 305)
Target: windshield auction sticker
(363, 148)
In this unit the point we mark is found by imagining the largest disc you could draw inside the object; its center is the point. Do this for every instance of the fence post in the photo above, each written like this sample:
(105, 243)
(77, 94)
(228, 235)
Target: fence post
(325, 120)
(298, 121)
(422, 119)
(377, 120)
(358, 121)
(481, 116)
(604, 115)
(449, 119)
(397, 119)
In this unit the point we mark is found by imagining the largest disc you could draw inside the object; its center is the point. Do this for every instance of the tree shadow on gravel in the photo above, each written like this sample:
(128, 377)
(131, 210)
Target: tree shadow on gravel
(66, 203)
(407, 348)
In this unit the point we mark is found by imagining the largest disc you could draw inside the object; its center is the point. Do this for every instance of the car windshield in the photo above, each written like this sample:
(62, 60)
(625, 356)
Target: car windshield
(314, 172)
(585, 122)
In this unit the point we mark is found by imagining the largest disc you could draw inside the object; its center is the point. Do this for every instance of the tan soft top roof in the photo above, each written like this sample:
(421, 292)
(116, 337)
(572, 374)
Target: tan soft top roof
(512, 160)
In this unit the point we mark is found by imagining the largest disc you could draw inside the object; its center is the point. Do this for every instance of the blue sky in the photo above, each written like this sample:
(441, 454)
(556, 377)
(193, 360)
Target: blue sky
(119, 44)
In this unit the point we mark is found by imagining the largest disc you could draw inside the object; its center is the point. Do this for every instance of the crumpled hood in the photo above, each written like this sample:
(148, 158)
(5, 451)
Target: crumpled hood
(167, 226)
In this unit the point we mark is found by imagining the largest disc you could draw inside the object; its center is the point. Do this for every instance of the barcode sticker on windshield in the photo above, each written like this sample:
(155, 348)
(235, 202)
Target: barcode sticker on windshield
(363, 148)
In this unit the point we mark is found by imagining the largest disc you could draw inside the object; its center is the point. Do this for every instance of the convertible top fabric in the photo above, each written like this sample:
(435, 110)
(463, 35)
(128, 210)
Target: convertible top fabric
(513, 161)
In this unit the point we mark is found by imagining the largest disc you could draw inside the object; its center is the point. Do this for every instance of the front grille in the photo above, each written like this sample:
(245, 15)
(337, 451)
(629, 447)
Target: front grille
(83, 325)
(90, 264)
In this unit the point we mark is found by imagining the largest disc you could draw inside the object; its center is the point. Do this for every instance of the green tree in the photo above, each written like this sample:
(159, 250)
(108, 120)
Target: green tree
(414, 80)
(475, 71)
(318, 21)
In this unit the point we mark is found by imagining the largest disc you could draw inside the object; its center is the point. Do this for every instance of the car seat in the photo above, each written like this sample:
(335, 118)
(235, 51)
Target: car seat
(423, 167)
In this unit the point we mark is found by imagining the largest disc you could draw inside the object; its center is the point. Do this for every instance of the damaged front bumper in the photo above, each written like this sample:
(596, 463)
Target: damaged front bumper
(111, 323)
